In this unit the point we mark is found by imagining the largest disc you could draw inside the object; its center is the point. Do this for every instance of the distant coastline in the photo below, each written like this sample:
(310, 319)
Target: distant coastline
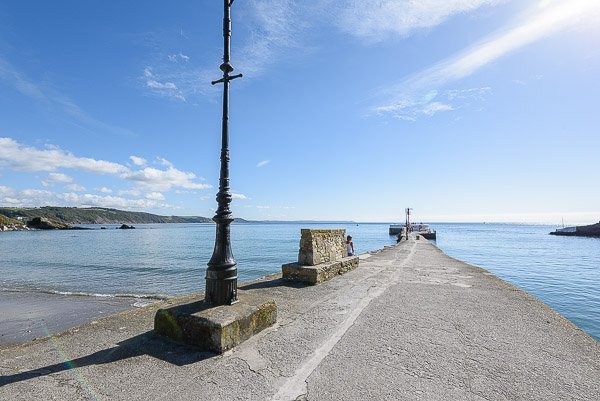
(16, 218)
(94, 215)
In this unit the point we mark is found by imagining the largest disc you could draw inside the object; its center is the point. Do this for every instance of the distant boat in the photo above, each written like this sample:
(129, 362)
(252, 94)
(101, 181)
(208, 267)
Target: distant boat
(565, 230)
(420, 228)
(396, 229)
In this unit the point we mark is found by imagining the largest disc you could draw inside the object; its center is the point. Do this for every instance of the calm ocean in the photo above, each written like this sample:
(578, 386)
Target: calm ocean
(169, 259)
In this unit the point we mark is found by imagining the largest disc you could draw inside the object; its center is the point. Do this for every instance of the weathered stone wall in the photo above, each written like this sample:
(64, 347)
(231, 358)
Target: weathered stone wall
(321, 246)
(318, 274)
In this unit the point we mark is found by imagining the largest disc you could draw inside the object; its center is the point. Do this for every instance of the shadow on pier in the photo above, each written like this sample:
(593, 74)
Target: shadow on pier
(144, 344)
(147, 343)
(278, 282)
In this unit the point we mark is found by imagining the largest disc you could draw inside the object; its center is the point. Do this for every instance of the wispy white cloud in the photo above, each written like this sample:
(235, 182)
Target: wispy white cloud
(52, 99)
(36, 198)
(13, 77)
(239, 196)
(263, 163)
(549, 17)
(164, 162)
(138, 161)
(157, 196)
(435, 107)
(178, 57)
(273, 37)
(25, 158)
(271, 33)
(164, 88)
(160, 85)
(130, 192)
(411, 108)
(104, 190)
(16, 156)
(28, 197)
(280, 30)
(75, 188)
(90, 200)
(85, 121)
(385, 18)
(154, 179)
(54, 178)
(544, 19)
(59, 177)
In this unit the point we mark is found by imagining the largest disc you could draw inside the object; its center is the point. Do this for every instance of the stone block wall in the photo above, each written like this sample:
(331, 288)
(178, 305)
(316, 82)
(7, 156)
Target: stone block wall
(321, 246)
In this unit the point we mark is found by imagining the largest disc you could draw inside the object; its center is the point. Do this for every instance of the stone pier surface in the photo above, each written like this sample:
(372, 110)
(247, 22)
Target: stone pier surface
(409, 324)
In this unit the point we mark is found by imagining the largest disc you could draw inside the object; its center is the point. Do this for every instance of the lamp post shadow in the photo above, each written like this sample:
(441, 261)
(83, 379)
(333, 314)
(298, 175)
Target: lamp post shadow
(147, 343)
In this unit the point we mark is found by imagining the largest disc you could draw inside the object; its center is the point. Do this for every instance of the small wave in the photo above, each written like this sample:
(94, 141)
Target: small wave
(149, 297)
(145, 302)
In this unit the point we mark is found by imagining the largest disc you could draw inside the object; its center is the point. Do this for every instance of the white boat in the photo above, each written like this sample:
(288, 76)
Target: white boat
(566, 230)
(414, 227)
(420, 228)
(396, 229)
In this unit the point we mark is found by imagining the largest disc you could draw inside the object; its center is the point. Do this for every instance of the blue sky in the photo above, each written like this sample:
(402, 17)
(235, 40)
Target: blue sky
(465, 110)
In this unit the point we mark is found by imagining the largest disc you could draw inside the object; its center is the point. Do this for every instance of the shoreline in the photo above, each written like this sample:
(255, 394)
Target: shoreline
(29, 315)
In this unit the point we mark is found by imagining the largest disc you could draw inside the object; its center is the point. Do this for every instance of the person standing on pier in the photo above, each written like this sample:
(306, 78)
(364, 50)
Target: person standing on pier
(349, 246)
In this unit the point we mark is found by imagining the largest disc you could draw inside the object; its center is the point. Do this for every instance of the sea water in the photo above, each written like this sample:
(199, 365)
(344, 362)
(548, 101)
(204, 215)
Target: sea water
(161, 260)
(563, 272)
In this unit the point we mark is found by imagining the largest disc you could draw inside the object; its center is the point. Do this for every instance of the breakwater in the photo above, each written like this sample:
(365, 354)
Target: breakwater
(409, 323)
(592, 230)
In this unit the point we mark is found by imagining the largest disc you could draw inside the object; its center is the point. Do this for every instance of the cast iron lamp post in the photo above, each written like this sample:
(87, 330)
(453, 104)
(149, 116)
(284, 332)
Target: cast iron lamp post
(221, 275)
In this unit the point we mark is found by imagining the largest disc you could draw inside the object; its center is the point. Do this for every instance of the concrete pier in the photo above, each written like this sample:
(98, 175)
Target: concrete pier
(410, 323)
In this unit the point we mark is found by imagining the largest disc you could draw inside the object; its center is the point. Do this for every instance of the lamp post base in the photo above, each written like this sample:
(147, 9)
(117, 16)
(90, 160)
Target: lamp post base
(220, 292)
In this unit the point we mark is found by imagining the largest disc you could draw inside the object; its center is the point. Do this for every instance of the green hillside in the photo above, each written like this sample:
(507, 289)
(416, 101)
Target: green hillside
(6, 221)
(73, 215)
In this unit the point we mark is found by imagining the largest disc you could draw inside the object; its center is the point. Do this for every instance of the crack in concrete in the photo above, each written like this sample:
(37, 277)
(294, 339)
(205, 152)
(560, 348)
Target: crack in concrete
(250, 368)
(73, 384)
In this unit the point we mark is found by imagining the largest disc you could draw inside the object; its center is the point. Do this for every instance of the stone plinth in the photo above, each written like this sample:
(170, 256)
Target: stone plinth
(322, 256)
(216, 328)
(321, 246)
(319, 273)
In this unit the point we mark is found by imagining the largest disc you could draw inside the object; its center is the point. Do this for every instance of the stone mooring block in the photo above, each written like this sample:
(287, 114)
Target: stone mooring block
(317, 274)
(216, 328)
(321, 246)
